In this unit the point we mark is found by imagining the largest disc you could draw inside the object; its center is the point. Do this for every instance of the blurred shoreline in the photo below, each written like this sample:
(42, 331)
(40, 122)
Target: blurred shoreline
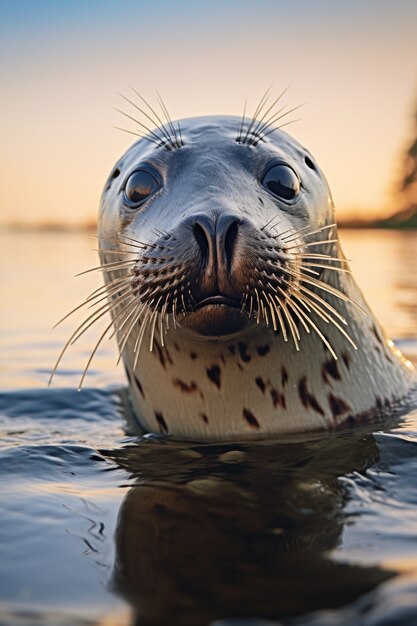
(396, 222)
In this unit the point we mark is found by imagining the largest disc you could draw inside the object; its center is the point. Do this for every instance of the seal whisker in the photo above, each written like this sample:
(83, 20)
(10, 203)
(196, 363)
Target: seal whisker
(323, 303)
(137, 312)
(141, 306)
(87, 302)
(244, 301)
(162, 128)
(324, 257)
(310, 243)
(100, 291)
(310, 306)
(108, 267)
(167, 116)
(184, 308)
(180, 134)
(275, 300)
(114, 291)
(333, 290)
(263, 311)
(275, 118)
(192, 299)
(106, 330)
(128, 241)
(118, 284)
(318, 332)
(251, 306)
(174, 308)
(169, 120)
(287, 303)
(99, 313)
(258, 307)
(118, 252)
(311, 232)
(291, 325)
(157, 138)
(103, 310)
(309, 271)
(131, 309)
(321, 285)
(292, 231)
(258, 109)
(108, 286)
(162, 320)
(239, 135)
(139, 339)
(270, 223)
(326, 267)
(162, 124)
(275, 102)
(142, 246)
(153, 325)
(280, 126)
(327, 318)
(141, 135)
(295, 308)
(258, 133)
(271, 308)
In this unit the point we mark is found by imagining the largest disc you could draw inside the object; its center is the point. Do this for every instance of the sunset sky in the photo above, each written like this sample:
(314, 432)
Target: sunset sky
(353, 64)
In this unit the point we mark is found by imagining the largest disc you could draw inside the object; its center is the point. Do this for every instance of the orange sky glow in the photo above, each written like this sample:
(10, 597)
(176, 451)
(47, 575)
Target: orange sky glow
(354, 65)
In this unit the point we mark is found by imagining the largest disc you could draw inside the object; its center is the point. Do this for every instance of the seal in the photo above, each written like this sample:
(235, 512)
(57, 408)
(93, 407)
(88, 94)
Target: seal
(234, 307)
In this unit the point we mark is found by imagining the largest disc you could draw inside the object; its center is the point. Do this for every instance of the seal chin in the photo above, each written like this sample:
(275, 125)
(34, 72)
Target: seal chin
(216, 316)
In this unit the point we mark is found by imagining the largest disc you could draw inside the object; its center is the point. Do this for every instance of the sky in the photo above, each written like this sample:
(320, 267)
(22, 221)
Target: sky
(63, 64)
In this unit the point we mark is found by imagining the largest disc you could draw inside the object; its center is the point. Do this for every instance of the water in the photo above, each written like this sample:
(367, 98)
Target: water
(101, 527)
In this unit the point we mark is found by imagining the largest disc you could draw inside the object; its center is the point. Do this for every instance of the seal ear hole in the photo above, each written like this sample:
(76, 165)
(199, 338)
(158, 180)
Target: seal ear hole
(309, 163)
(115, 173)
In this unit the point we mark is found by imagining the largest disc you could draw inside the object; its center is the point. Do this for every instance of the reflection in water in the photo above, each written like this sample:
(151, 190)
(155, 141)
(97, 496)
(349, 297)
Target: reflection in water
(212, 531)
(205, 531)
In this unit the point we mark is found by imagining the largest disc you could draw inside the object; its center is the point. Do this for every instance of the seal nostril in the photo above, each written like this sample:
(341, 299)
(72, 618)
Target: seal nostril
(202, 241)
(230, 243)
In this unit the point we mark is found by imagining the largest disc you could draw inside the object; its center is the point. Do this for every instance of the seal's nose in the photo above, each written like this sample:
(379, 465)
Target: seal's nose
(216, 238)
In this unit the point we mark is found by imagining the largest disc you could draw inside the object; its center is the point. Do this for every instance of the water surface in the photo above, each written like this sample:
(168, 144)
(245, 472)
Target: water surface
(99, 526)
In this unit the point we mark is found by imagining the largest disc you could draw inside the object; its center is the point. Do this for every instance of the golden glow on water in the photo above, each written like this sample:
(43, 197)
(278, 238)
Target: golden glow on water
(39, 288)
(39, 285)
(384, 263)
(96, 495)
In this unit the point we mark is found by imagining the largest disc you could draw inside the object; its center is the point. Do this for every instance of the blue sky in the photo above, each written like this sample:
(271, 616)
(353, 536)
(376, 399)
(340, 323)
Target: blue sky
(62, 65)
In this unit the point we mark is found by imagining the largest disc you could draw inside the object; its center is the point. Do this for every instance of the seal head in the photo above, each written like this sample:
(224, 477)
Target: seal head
(210, 214)
(221, 255)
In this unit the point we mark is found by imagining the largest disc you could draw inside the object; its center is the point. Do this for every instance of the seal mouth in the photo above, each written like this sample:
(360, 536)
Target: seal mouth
(218, 300)
(215, 316)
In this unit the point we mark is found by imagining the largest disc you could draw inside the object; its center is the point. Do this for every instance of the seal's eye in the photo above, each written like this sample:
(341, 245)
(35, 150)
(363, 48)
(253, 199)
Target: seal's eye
(282, 181)
(139, 186)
